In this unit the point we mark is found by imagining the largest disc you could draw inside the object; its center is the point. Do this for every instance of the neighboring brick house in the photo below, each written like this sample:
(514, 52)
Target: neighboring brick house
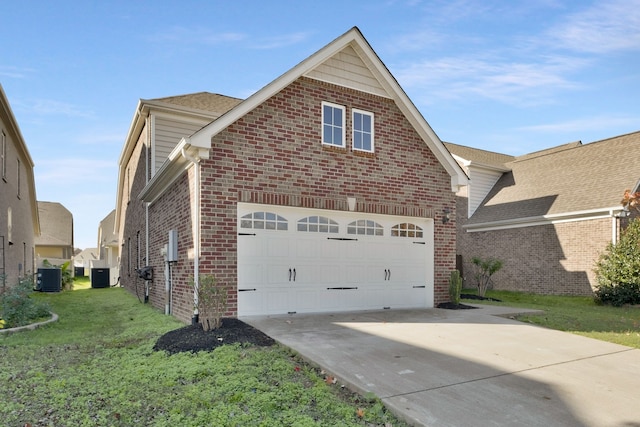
(55, 242)
(324, 191)
(547, 215)
(19, 222)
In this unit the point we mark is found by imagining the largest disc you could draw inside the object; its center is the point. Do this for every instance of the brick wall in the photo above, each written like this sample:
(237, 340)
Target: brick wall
(275, 152)
(548, 259)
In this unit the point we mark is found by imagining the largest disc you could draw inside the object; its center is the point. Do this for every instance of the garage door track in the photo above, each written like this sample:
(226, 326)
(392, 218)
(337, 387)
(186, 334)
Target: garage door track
(438, 367)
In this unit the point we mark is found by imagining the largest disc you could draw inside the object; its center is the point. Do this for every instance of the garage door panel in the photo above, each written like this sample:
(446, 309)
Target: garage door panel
(333, 271)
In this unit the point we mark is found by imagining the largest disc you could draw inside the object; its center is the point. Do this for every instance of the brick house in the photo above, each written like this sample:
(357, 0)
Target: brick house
(19, 222)
(547, 215)
(326, 190)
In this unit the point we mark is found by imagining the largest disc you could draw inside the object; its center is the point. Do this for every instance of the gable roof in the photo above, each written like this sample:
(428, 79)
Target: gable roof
(366, 72)
(208, 106)
(9, 120)
(56, 225)
(567, 182)
(200, 101)
(476, 156)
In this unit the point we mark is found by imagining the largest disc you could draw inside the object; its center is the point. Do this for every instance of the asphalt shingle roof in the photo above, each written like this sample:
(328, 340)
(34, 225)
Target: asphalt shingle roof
(206, 101)
(569, 178)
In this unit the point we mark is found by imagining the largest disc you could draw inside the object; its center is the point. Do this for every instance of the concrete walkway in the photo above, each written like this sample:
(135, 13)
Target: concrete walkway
(477, 367)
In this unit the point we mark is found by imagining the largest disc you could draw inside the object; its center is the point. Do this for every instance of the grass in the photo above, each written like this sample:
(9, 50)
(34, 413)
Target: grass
(96, 366)
(578, 315)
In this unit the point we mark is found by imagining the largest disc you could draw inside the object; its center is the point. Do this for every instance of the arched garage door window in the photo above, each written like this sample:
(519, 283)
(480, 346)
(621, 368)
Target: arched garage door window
(264, 221)
(406, 229)
(318, 224)
(365, 227)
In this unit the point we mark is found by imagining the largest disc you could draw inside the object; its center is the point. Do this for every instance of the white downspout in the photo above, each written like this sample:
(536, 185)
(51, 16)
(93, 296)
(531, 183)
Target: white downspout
(146, 217)
(196, 237)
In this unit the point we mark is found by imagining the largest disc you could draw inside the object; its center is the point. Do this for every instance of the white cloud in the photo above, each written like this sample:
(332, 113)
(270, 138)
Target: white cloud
(197, 35)
(283, 40)
(577, 126)
(15, 72)
(604, 27)
(52, 107)
(491, 77)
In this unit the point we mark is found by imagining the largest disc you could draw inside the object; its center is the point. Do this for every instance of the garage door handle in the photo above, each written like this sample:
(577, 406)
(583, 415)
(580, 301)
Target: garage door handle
(385, 274)
(294, 274)
(289, 274)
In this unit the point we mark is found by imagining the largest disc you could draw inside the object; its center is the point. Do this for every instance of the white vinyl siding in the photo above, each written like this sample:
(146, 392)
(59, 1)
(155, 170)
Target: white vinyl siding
(482, 181)
(168, 131)
(346, 68)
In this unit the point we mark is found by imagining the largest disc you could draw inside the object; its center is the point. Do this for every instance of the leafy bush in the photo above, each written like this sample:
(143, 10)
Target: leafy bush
(484, 269)
(618, 269)
(16, 306)
(212, 302)
(455, 286)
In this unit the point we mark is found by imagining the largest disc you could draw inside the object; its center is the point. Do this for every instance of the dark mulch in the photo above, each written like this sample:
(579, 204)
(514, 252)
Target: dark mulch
(452, 306)
(193, 338)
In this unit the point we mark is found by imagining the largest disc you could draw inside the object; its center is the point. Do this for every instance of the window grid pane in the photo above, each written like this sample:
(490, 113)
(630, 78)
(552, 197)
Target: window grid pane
(407, 230)
(318, 224)
(365, 227)
(264, 220)
(362, 131)
(333, 125)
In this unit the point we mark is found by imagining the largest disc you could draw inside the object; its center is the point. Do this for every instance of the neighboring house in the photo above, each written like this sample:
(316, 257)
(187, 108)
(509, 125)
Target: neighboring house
(55, 243)
(85, 259)
(324, 191)
(19, 222)
(108, 248)
(547, 215)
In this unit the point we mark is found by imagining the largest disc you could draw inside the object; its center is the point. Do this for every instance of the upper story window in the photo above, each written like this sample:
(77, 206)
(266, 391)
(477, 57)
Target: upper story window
(333, 132)
(365, 227)
(407, 229)
(3, 156)
(264, 221)
(362, 131)
(18, 178)
(318, 224)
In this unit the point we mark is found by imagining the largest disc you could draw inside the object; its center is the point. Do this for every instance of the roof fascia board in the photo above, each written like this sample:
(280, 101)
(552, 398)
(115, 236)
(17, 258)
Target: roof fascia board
(485, 166)
(586, 215)
(171, 170)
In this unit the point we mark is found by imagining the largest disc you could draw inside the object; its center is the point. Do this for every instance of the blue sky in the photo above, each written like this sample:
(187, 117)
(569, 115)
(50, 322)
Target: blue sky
(506, 76)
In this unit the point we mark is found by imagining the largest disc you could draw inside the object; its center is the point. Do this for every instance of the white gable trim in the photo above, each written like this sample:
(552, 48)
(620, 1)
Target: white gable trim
(544, 220)
(353, 38)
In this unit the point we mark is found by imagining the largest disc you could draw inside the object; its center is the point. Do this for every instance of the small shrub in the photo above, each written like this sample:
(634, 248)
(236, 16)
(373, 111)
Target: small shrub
(618, 269)
(484, 269)
(16, 306)
(212, 302)
(455, 286)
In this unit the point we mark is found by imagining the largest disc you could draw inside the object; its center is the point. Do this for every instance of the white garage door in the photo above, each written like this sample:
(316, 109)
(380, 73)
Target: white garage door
(294, 260)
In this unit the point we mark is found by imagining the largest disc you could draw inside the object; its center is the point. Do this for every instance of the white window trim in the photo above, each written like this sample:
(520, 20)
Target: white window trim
(344, 124)
(353, 131)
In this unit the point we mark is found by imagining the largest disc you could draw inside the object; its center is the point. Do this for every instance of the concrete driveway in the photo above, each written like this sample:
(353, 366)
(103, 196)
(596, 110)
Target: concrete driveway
(477, 367)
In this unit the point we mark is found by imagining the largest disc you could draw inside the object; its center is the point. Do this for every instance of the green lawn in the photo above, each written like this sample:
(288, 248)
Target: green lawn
(579, 315)
(96, 366)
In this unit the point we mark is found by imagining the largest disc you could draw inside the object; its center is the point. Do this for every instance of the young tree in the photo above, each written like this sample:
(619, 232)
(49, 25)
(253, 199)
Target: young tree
(484, 269)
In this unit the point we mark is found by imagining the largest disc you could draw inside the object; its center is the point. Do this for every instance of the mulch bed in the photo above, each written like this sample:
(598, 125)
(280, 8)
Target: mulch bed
(193, 338)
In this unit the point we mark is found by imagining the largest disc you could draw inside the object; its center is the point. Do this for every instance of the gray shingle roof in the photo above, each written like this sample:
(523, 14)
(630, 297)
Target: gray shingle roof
(569, 178)
(476, 155)
(206, 101)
